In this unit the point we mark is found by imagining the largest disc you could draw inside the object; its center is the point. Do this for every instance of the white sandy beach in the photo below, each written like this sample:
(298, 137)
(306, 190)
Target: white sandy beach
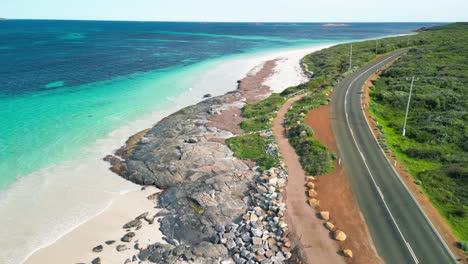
(70, 237)
(76, 246)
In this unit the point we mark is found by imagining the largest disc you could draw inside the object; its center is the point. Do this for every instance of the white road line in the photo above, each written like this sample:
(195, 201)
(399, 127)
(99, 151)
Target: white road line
(380, 193)
(411, 195)
(364, 160)
(410, 250)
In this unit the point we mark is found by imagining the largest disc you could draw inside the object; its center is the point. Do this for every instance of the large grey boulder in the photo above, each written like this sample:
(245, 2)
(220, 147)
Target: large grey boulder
(210, 250)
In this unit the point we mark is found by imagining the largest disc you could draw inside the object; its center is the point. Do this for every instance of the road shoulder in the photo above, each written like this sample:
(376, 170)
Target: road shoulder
(311, 236)
(431, 212)
(336, 196)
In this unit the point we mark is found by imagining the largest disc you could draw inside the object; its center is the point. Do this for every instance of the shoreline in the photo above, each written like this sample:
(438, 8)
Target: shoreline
(106, 226)
(287, 57)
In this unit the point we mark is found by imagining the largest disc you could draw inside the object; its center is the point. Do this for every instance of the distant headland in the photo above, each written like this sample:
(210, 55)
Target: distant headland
(335, 25)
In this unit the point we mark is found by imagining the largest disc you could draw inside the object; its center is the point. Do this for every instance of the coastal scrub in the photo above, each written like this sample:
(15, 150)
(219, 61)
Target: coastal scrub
(256, 148)
(435, 148)
(315, 158)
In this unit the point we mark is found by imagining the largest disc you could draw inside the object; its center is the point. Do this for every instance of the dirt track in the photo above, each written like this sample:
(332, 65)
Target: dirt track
(306, 228)
(336, 196)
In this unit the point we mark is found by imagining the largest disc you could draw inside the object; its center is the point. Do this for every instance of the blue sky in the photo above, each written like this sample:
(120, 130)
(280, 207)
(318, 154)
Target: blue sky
(240, 10)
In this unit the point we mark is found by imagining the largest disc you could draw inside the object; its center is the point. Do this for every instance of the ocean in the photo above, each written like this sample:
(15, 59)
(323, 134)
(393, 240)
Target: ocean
(72, 91)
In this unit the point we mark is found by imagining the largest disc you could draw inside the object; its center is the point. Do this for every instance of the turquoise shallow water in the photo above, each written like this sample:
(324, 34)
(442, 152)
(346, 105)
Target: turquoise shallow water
(50, 126)
(67, 84)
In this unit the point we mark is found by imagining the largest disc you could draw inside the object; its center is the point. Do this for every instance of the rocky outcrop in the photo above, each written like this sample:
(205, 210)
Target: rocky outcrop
(181, 148)
(215, 208)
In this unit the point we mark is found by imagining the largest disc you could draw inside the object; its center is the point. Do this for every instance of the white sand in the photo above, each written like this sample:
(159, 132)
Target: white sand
(75, 207)
(76, 246)
(288, 71)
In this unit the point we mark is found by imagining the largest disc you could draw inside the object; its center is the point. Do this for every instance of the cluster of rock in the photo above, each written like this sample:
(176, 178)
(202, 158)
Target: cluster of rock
(129, 236)
(261, 236)
(337, 234)
(206, 191)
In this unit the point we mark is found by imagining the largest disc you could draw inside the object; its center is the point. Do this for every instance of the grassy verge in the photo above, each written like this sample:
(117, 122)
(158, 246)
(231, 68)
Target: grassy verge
(299, 109)
(435, 149)
(261, 114)
(256, 148)
(315, 158)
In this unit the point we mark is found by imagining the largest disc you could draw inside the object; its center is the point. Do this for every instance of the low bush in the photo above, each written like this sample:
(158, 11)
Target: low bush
(463, 245)
(263, 108)
(253, 147)
(315, 158)
(423, 153)
(259, 114)
(300, 108)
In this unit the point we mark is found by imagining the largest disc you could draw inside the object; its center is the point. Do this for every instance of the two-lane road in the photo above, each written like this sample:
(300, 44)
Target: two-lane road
(399, 228)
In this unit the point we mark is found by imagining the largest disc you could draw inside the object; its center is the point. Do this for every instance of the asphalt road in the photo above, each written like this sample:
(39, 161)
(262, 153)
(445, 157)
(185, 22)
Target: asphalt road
(399, 228)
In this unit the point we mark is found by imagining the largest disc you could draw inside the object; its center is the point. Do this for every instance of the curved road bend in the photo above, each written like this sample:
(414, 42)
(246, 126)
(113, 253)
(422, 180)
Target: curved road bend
(399, 228)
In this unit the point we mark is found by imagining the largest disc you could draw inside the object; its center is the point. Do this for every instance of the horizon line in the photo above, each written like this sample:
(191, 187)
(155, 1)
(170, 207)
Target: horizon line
(195, 21)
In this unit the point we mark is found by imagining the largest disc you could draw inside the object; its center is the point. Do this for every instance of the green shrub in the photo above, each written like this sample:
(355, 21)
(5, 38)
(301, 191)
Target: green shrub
(253, 147)
(463, 245)
(315, 158)
(256, 124)
(259, 114)
(299, 132)
(263, 108)
(423, 153)
(300, 108)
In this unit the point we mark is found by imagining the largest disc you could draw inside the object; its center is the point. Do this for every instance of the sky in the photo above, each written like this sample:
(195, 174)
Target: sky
(240, 10)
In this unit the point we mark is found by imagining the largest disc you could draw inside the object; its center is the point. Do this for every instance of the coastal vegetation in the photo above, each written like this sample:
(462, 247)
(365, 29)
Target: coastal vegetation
(256, 148)
(259, 115)
(435, 148)
(311, 101)
(315, 158)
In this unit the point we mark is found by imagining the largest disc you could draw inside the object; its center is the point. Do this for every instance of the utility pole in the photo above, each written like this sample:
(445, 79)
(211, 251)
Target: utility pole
(407, 106)
(350, 56)
(376, 45)
(407, 41)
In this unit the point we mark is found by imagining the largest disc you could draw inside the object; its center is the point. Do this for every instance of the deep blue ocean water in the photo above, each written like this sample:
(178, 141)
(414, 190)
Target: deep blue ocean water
(66, 84)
